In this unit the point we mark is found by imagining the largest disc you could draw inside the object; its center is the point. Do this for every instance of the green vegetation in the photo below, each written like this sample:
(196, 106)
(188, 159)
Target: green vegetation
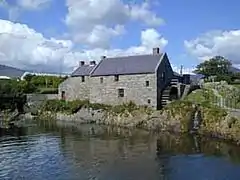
(13, 90)
(201, 96)
(228, 94)
(68, 107)
(43, 84)
(31, 84)
(216, 120)
(218, 69)
(206, 99)
(71, 107)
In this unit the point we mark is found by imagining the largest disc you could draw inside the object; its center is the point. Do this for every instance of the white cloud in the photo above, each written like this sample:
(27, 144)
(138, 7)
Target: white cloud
(14, 10)
(151, 38)
(23, 47)
(224, 43)
(33, 4)
(96, 22)
(142, 12)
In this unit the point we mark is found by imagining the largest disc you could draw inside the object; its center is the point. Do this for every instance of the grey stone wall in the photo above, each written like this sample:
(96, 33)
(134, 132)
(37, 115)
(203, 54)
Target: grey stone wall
(74, 88)
(134, 89)
(41, 97)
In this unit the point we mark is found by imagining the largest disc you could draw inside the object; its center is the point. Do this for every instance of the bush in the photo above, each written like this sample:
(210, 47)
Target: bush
(48, 91)
(69, 107)
(97, 106)
(130, 107)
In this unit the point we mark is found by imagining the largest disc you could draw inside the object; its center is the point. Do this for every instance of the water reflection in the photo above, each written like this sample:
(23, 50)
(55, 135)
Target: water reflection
(57, 150)
(194, 144)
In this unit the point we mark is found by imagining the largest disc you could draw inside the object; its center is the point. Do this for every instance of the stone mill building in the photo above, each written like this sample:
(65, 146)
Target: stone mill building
(116, 80)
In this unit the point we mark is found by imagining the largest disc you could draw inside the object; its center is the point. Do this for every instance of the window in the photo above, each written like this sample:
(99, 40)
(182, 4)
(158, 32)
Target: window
(147, 83)
(101, 80)
(149, 101)
(83, 78)
(120, 92)
(116, 78)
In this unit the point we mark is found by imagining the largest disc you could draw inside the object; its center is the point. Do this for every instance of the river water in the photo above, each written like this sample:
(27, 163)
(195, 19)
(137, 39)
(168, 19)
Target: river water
(64, 151)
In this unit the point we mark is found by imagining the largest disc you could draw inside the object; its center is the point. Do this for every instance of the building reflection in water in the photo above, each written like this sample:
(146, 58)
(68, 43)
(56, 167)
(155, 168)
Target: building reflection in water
(106, 151)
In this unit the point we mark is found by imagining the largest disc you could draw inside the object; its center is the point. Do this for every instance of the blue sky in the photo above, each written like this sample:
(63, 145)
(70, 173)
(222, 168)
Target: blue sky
(194, 30)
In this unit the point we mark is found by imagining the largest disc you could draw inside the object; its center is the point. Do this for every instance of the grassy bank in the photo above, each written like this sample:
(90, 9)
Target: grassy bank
(216, 120)
(175, 116)
(71, 107)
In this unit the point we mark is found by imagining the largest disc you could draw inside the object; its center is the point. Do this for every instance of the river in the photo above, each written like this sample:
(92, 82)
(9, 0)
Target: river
(64, 151)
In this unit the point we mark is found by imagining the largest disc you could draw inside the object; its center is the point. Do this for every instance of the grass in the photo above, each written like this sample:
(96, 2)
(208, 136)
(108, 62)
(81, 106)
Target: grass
(237, 86)
(47, 90)
(71, 107)
(201, 96)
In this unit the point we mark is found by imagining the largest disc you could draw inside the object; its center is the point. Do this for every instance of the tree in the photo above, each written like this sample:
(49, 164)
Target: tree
(29, 77)
(216, 66)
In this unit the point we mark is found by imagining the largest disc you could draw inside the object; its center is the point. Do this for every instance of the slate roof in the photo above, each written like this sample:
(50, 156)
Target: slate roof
(11, 71)
(137, 64)
(83, 71)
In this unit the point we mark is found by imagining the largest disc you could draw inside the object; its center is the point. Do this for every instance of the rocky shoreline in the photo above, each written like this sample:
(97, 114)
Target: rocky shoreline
(178, 118)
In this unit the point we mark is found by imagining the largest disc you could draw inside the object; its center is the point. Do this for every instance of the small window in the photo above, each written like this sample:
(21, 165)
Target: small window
(147, 83)
(83, 78)
(120, 92)
(116, 78)
(149, 101)
(101, 80)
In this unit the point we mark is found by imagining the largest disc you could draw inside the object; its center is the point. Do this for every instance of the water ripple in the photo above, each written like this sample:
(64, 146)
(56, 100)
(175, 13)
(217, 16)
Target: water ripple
(64, 152)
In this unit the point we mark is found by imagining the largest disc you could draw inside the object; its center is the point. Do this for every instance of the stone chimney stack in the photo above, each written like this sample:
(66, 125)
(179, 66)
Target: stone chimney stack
(156, 51)
(81, 63)
(92, 63)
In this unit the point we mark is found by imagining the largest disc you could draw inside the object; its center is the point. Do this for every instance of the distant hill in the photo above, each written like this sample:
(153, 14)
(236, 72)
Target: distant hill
(234, 69)
(11, 72)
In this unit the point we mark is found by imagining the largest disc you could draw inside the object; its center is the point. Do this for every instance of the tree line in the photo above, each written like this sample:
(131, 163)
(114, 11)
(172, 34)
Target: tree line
(30, 84)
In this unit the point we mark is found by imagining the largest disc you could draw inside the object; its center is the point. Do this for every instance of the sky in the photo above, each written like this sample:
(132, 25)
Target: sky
(54, 35)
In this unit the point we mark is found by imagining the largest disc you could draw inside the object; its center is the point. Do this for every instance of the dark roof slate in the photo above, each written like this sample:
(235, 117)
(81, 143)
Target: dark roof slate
(137, 64)
(83, 70)
(10, 71)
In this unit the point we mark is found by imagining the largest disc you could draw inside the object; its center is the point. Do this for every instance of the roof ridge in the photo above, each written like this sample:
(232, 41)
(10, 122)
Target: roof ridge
(126, 56)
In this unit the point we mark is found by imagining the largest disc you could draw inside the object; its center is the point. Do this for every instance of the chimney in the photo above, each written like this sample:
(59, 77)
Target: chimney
(92, 63)
(103, 57)
(156, 51)
(81, 63)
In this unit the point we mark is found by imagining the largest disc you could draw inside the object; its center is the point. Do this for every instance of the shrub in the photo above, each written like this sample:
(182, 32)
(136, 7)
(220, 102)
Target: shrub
(48, 91)
(97, 106)
(69, 107)
(130, 107)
